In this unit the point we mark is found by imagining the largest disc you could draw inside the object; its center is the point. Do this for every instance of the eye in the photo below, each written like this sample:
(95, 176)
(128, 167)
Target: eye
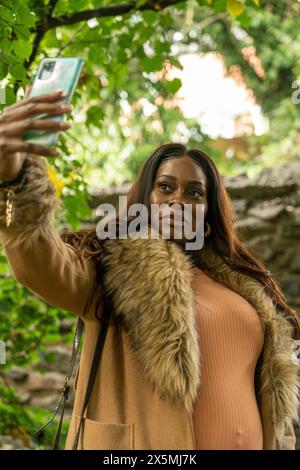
(163, 185)
(198, 193)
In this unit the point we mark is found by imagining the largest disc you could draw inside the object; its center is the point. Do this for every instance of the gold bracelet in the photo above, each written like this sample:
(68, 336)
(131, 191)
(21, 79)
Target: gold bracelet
(9, 188)
(9, 206)
(10, 191)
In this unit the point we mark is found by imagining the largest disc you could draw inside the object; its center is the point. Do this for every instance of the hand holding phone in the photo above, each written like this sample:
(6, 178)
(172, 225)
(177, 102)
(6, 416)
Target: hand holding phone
(19, 118)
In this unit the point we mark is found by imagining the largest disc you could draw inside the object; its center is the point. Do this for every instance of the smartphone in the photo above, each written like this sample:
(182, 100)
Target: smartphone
(53, 74)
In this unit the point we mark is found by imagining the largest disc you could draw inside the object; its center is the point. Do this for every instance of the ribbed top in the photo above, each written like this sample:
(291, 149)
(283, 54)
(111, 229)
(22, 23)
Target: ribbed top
(226, 415)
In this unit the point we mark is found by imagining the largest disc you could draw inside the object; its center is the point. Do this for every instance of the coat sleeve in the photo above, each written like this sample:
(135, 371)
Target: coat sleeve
(37, 256)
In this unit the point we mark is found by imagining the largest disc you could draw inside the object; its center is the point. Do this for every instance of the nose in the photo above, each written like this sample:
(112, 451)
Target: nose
(179, 205)
(176, 198)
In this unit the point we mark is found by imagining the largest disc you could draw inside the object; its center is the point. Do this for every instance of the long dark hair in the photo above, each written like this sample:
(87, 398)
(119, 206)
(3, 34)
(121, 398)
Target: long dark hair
(221, 216)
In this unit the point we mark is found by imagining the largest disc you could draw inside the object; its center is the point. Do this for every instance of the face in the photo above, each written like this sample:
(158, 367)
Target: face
(180, 180)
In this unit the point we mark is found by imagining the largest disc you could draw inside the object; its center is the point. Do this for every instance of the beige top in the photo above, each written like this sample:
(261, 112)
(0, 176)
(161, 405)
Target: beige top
(226, 415)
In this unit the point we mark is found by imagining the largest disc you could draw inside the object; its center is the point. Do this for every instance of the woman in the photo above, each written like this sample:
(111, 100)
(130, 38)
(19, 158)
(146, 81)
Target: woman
(198, 353)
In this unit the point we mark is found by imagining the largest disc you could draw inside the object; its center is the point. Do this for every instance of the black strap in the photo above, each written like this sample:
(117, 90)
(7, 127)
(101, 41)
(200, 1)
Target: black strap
(66, 387)
(94, 368)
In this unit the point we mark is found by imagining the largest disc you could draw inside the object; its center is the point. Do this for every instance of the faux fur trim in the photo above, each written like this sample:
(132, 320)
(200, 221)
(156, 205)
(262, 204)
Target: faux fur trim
(150, 283)
(34, 204)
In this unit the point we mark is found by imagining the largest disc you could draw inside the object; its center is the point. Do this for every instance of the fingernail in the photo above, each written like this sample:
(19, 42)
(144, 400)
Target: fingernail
(66, 107)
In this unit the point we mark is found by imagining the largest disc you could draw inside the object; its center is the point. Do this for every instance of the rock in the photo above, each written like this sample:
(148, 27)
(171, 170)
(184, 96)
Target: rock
(57, 358)
(283, 174)
(266, 211)
(291, 287)
(6, 439)
(251, 226)
(284, 259)
(295, 261)
(18, 374)
(8, 442)
(296, 216)
(18, 444)
(24, 396)
(7, 447)
(48, 401)
(66, 325)
(240, 205)
(47, 381)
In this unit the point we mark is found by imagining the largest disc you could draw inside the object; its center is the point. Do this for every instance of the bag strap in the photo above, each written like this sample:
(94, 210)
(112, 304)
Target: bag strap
(94, 367)
(66, 388)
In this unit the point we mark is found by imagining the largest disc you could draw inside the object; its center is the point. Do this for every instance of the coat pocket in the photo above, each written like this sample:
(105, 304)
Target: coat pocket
(96, 435)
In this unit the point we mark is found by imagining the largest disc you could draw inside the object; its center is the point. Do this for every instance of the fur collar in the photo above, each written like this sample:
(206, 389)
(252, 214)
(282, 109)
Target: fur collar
(149, 281)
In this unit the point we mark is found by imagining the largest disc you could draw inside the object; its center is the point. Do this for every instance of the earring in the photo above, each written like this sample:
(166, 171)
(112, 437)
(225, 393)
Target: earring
(208, 230)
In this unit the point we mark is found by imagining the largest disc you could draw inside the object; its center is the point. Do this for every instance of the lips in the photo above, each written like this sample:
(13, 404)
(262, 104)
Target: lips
(172, 219)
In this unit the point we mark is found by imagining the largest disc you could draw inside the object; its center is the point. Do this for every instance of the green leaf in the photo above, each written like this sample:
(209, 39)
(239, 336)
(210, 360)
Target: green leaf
(3, 70)
(5, 46)
(173, 85)
(22, 32)
(175, 62)
(244, 19)
(139, 3)
(22, 48)
(10, 97)
(161, 47)
(220, 5)
(121, 56)
(18, 71)
(151, 64)
(149, 16)
(25, 16)
(95, 114)
(180, 5)
(125, 40)
(6, 14)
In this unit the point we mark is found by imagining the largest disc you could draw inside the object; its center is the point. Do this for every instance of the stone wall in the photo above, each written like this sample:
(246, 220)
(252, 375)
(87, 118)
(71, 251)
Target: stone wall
(268, 219)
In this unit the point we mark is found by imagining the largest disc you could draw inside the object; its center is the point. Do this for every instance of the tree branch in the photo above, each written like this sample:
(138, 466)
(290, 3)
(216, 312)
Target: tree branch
(50, 22)
(111, 10)
(41, 29)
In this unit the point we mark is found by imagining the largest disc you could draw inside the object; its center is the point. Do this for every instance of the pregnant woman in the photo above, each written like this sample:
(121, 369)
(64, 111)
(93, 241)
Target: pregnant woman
(199, 347)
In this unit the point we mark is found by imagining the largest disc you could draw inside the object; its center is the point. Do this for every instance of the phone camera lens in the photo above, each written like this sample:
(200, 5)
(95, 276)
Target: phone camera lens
(47, 70)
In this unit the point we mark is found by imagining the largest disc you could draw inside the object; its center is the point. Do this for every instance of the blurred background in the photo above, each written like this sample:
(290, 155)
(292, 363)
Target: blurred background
(219, 75)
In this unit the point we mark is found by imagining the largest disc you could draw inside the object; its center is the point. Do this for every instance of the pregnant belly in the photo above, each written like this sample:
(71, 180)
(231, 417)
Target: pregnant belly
(227, 421)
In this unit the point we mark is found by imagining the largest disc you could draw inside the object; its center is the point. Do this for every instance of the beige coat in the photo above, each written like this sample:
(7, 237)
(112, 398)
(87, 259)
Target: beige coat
(150, 371)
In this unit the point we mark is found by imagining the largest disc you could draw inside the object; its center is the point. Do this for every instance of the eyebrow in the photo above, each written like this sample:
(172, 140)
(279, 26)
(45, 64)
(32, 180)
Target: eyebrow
(189, 181)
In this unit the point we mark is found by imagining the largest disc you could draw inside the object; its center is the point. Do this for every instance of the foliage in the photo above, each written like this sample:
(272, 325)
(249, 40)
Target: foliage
(123, 54)
(22, 422)
(27, 322)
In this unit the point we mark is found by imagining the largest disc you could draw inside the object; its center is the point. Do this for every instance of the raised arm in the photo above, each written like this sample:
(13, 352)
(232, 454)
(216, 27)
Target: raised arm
(39, 259)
